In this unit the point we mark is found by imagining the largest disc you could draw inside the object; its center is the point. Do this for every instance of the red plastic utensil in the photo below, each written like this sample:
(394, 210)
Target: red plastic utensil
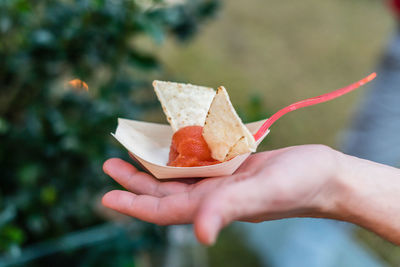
(311, 101)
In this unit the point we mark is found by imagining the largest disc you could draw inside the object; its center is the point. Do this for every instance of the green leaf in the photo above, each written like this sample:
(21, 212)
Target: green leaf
(12, 234)
(48, 195)
(144, 61)
(4, 126)
(29, 173)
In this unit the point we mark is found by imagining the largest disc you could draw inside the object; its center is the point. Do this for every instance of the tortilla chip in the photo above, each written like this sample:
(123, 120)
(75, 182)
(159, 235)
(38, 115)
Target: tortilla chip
(224, 132)
(184, 104)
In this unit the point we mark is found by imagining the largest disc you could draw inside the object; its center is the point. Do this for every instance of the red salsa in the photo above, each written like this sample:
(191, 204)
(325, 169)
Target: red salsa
(189, 149)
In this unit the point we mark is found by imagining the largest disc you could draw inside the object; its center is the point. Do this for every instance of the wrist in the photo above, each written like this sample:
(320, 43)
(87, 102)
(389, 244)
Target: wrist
(364, 193)
(355, 183)
(339, 188)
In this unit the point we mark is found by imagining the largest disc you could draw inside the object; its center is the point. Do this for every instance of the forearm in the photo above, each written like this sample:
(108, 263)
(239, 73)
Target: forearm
(369, 196)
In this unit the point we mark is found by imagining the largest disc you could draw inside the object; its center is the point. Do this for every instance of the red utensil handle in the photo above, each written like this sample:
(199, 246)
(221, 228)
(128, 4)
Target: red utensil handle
(311, 101)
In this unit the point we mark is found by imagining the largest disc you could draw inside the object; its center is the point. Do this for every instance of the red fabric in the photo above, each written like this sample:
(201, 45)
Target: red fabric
(395, 5)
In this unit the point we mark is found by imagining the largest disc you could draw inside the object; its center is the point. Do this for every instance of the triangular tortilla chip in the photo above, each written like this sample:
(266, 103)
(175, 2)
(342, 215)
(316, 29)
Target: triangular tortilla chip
(224, 132)
(184, 104)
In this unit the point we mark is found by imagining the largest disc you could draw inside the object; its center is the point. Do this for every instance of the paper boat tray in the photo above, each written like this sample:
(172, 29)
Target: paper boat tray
(149, 143)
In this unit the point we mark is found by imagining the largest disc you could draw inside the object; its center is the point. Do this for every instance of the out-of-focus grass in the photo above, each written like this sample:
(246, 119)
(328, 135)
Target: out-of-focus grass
(287, 51)
(284, 51)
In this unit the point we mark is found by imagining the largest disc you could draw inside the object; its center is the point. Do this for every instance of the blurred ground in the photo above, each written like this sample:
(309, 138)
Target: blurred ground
(284, 51)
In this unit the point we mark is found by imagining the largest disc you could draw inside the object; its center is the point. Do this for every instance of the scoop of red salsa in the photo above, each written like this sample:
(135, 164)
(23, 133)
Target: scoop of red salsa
(189, 149)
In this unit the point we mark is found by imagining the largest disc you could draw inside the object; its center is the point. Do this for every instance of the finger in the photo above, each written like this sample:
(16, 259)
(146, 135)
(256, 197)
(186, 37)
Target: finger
(184, 180)
(173, 209)
(218, 209)
(140, 182)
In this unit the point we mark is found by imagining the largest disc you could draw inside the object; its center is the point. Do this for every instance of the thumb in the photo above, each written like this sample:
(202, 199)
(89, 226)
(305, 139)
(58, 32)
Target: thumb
(220, 208)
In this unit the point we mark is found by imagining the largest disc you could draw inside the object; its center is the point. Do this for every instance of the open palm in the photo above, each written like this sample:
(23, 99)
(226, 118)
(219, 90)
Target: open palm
(288, 182)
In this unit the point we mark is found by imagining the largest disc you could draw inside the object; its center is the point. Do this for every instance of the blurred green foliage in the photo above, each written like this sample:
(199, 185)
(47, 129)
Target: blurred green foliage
(54, 138)
(254, 109)
(233, 251)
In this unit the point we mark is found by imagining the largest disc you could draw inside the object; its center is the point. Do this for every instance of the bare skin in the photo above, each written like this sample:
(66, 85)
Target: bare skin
(301, 181)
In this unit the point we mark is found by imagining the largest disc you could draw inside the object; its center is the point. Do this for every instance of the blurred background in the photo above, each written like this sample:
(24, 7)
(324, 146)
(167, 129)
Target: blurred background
(69, 69)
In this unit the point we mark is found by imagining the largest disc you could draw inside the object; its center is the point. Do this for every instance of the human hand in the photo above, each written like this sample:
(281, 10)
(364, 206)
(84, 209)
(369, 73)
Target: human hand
(290, 182)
